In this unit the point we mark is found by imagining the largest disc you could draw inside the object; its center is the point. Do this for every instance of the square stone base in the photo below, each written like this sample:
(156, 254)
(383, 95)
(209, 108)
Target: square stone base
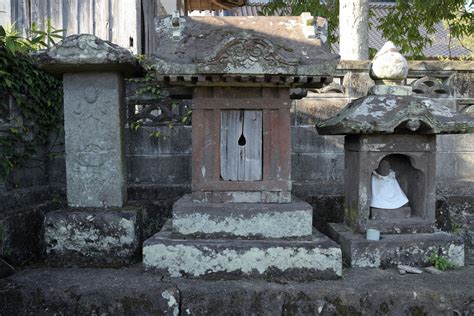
(318, 258)
(242, 220)
(92, 237)
(394, 249)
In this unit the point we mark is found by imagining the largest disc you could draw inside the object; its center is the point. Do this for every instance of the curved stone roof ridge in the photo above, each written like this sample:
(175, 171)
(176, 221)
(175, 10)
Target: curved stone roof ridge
(387, 114)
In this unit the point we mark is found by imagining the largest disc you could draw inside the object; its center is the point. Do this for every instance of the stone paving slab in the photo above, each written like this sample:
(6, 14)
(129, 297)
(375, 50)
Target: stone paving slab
(131, 291)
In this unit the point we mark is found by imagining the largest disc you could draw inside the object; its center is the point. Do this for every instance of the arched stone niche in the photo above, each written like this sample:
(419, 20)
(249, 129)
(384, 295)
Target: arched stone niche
(411, 180)
(413, 158)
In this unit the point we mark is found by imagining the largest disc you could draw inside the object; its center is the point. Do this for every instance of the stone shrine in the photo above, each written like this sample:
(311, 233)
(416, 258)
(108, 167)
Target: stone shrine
(241, 219)
(394, 130)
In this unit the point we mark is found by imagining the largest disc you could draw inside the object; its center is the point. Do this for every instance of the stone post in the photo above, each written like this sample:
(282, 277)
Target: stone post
(93, 72)
(5, 11)
(353, 29)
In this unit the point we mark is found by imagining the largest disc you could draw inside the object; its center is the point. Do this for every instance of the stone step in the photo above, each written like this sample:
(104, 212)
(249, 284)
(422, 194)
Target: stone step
(130, 291)
(394, 249)
(412, 225)
(398, 213)
(319, 258)
(242, 220)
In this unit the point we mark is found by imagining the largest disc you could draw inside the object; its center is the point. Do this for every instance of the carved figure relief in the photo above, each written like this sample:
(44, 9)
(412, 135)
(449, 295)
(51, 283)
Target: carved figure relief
(92, 155)
(90, 109)
(246, 52)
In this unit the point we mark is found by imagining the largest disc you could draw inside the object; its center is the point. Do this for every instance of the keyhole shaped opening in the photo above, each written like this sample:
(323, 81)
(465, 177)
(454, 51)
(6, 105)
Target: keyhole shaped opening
(242, 140)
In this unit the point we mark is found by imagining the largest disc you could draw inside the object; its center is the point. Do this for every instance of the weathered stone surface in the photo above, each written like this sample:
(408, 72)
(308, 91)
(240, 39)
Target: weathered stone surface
(412, 158)
(399, 213)
(93, 123)
(130, 291)
(389, 64)
(92, 237)
(456, 214)
(21, 233)
(86, 52)
(242, 220)
(392, 250)
(393, 90)
(243, 45)
(88, 292)
(287, 260)
(385, 114)
(433, 270)
(5, 268)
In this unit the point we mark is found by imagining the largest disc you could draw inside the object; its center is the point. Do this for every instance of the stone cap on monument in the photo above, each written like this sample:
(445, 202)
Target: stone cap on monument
(391, 108)
(213, 49)
(87, 53)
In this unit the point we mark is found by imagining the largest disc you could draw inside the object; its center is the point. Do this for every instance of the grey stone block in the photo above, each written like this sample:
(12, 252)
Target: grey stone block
(21, 235)
(169, 169)
(391, 250)
(322, 166)
(305, 139)
(312, 110)
(242, 220)
(93, 123)
(319, 258)
(399, 213)
(92, 237)
(176, 140)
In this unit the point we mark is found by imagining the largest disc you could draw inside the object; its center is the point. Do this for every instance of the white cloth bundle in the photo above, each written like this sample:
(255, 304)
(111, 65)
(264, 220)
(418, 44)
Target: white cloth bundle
(386, 192)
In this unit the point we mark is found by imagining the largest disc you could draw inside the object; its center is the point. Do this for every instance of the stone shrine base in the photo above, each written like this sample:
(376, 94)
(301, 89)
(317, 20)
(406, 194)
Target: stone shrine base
(242, 220)
(316, 258)
(92, 237)
(394, 249)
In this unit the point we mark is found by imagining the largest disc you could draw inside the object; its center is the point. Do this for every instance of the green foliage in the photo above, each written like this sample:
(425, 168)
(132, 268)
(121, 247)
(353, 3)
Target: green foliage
(149, 87)
(328, 9)
(403, 24)
(440, 262)
(36, 94)
(410, 23)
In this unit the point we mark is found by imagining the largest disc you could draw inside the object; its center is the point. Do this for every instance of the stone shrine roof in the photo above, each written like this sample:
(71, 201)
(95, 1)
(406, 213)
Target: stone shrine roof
(396, 114)
(86, 52)
(293, 48)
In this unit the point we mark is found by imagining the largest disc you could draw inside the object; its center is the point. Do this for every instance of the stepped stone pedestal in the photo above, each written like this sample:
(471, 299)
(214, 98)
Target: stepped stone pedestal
(228, 240)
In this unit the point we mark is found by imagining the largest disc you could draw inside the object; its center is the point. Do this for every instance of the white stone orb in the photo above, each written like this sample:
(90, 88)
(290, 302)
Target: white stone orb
(389, 64)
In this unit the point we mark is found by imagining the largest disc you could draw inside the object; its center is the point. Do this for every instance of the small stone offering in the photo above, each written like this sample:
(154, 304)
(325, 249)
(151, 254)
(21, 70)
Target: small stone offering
(409, 269)
(433, 270)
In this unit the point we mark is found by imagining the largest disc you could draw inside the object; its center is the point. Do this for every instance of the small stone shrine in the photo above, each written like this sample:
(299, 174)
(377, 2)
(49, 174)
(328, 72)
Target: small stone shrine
(241, 219)
(390, 170)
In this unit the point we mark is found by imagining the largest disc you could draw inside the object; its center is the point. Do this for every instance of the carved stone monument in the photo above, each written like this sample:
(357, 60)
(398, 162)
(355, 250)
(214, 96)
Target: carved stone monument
(393, 132)
(93, 72)
(241, 219)
(97, 228)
